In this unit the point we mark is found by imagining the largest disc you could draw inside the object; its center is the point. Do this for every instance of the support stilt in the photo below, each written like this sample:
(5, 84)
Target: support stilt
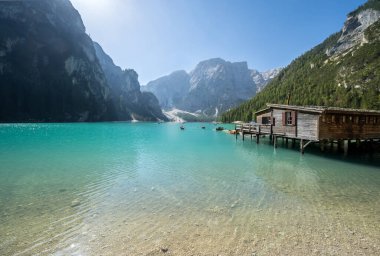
(322, 145)
(345, 147)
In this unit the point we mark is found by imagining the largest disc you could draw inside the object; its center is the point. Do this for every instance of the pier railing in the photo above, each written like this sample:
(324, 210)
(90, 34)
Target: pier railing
(254, 128)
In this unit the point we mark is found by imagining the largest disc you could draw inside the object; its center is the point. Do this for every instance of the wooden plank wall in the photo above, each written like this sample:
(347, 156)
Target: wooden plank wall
(350, 129)
(307, 126)
(279, 129)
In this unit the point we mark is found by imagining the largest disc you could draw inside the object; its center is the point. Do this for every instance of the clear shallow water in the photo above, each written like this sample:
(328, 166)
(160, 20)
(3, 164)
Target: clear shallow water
(137, 188)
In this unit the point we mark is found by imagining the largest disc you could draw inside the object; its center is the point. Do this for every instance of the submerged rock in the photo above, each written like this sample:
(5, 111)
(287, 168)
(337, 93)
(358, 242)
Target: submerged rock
(75, 203)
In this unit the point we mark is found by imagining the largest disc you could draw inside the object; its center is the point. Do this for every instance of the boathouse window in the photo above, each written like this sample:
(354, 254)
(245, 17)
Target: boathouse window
(266, 120)
(289, 118)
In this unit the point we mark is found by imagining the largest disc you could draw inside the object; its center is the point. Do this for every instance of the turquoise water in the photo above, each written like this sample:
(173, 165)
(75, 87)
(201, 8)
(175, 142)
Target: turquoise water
(142, 188)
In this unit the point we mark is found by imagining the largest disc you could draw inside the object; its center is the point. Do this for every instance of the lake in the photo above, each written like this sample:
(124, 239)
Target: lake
(153, 189)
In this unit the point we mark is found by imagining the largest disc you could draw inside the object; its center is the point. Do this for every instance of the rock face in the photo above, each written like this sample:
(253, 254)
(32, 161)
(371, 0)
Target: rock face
(127, 99)
(170, 90)
(217, 85)
(214, 86)
(261, 79)
(49, 70)
(48, 67)
(353, 31)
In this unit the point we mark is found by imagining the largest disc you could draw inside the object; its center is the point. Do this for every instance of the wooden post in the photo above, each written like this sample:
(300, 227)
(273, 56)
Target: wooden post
(371, 146)
(275, 141)
(293, 143)
(286, 142)
(345, 147)
(258, 135)
(339, 142)
(271, 130)
(322, 145)
(242, 133)
(301, 146)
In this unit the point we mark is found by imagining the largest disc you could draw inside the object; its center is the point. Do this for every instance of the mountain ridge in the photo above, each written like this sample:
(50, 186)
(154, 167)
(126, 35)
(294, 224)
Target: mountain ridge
(212, 87)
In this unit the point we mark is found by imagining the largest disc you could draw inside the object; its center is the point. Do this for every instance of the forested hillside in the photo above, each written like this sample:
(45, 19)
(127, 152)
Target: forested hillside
(343, 71)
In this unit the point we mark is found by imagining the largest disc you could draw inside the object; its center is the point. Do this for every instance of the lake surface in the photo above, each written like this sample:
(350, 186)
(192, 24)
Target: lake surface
(152, 189)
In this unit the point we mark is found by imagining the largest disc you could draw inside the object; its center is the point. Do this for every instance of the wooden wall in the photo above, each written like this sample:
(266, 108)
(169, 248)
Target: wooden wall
(339, 126)
(281, 129)
(331, 126)
(307, 125)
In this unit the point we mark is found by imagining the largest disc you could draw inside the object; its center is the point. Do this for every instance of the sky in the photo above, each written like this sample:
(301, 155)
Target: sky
(157, 37)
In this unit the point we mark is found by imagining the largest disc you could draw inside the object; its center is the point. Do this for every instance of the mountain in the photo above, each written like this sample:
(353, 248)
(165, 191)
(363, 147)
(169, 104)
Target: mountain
(127, 99)
(171, 89)
(343, 71)
(261, 79)
(49, 70)
(214, 86)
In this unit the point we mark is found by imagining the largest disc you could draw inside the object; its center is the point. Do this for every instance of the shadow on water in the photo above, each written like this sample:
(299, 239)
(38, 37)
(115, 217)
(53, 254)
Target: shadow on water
(359, 156)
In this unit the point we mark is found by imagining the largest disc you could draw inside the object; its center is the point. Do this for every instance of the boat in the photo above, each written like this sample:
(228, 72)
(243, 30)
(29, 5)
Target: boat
(219, 128)
(203, 127)
(182, 127)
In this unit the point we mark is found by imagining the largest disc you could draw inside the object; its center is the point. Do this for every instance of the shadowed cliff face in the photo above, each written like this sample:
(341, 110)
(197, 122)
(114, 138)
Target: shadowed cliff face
(48, 67)
(49, 70)
(127, 99)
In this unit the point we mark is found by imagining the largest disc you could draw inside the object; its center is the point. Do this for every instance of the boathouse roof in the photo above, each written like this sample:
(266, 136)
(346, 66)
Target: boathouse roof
(319, 109)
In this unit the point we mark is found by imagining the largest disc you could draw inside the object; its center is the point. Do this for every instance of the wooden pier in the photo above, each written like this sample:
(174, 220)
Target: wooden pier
(307, 125)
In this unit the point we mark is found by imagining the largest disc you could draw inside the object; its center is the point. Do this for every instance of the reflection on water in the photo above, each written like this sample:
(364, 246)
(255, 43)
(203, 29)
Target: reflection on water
(130, 189)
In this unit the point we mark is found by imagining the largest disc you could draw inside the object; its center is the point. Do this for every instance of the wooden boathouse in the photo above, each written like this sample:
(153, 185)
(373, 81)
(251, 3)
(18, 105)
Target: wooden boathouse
(314, 124)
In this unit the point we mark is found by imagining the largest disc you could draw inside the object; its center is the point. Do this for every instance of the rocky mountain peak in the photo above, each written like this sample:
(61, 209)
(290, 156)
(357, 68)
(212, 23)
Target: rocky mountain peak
(352, 33)
(212, 87)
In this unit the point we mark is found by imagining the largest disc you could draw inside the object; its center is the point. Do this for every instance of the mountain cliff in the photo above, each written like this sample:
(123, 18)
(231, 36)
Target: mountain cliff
(214, 86)
(343, 71)
(127, 99)
(170, 90)
(49, 70)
